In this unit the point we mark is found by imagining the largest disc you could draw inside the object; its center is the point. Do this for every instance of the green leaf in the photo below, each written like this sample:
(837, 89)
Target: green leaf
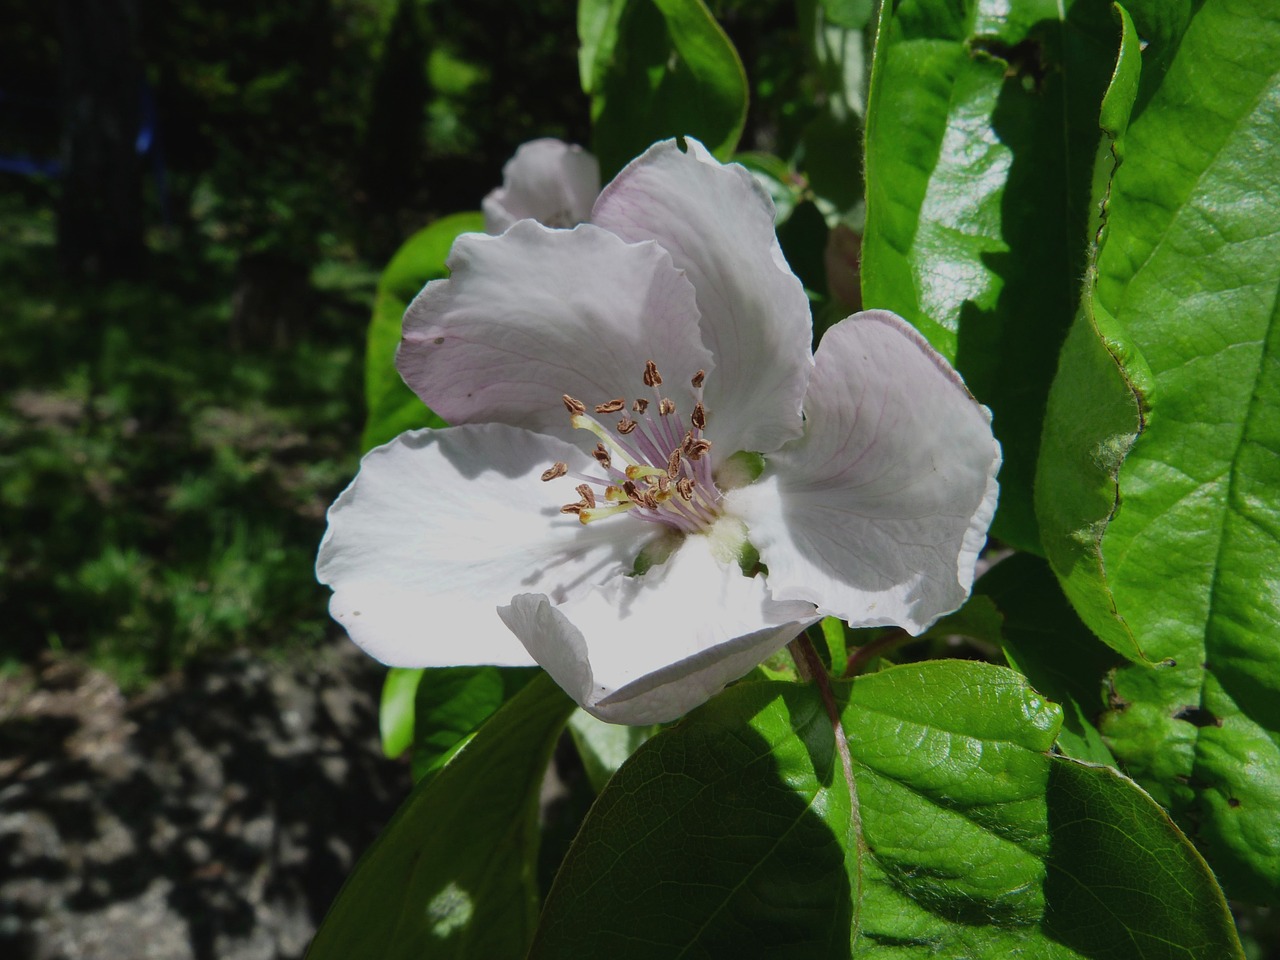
(1122, 881)
(1045, 641)
(452, 875)
(604, 747)
(673, 72)
(1161, 488)
(831, 147)
(452, 702)
(733, 834)
(981, 131)
(848, 14)
(395, 715)
(598, 22)
(714, 840)
(393, 407)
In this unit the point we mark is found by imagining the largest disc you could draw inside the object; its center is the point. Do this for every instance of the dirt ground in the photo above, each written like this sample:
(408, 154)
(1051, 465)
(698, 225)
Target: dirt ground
(214, 816)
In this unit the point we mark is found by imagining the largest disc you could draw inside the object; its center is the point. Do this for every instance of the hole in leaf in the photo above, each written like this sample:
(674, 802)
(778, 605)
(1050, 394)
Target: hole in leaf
(1198, 717)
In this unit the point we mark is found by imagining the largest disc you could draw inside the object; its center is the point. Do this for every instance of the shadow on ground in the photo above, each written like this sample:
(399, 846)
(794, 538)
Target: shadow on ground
(214, 816)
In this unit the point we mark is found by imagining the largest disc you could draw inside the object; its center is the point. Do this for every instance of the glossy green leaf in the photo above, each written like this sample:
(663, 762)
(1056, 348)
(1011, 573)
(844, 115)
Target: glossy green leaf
(672, 72)
(452, 875)
(1044, 640)
(981, 131)
(733, 834)
(395, 713)
(1160, 492)
(393, 407)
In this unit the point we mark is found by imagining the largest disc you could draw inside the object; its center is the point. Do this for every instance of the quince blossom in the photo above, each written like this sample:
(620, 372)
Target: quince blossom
(636, 412)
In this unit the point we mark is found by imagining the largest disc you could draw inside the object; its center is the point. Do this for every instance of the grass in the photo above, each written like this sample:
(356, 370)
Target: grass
(161, 493)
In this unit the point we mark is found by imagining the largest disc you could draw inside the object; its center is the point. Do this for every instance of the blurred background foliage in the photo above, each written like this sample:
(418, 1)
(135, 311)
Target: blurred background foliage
(195, 203)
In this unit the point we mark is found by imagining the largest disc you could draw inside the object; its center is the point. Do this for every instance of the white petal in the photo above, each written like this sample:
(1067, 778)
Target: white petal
(648, 649)
(547, 180)
(536, 313)
(877, 514)
(717, 223)
(442, 526)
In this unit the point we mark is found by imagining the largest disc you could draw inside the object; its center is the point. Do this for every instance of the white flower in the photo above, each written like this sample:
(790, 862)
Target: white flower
(547, 180)
(587, 511)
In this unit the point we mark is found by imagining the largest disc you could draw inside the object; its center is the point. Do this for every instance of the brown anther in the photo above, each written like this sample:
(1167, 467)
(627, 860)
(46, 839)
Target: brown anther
(626, 425)
(664, 486)
(652, 377)
(684, 487)
(698, 378)
(612, 406)
(640, 405)
(673, 464)
(698, 449)
(633, 493)
(575, 407)
(666, 406)
(588, 497)
(687, 443)
(574, 508)
(558, 469)
(650, 500)
(602, 455)
(699, 417)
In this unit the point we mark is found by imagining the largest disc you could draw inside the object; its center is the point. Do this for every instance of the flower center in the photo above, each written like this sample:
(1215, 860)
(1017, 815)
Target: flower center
(652, 464)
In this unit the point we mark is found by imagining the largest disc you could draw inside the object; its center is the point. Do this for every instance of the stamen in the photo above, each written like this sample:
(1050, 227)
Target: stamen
(639, 471)
(673, 464)
(652, 465)
(586, 516)
(633, 493)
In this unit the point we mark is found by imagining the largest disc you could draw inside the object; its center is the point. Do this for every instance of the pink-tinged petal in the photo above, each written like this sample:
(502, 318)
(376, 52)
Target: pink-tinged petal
(547, 180)
(537, 313)
(717, 223)
(878, 513)
(649, 649)
(441, 527)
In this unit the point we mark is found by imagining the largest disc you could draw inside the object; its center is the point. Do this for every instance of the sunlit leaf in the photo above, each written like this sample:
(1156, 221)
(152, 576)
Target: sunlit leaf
(395, 713)
(981, 132)
(1161, 469)
(733, 834)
